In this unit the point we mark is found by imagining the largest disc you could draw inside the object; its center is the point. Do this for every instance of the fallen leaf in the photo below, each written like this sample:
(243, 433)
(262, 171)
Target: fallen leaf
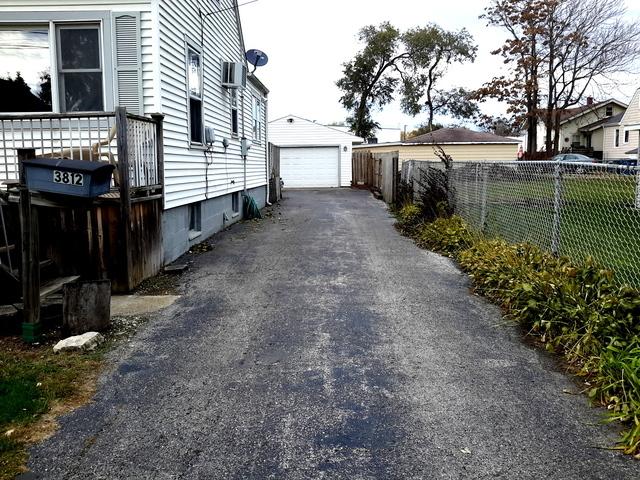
(8, 433)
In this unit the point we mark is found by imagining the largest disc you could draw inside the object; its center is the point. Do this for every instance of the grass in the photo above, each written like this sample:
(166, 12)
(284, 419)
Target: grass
(598, 218)
(35, 383)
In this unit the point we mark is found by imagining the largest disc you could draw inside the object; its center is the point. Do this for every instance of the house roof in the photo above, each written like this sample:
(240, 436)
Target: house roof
(352, 137)
(614, 120)
(571, 113)
(632, 152)
(457, 135)
(255, 81)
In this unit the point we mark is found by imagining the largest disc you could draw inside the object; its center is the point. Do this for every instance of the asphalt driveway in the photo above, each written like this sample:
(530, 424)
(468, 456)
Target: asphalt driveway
(319, 343)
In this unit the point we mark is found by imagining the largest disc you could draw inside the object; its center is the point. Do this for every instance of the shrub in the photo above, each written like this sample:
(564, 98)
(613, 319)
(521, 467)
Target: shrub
(579, 311)
(409, 218)
(445, 235)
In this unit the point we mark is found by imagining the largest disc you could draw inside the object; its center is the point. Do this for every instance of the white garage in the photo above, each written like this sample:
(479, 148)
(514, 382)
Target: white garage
(312, 155)
(307, 167)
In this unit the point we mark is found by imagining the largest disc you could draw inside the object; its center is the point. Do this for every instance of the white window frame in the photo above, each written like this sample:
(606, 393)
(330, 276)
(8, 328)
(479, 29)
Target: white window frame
(191, 47)
(616, 138)
(256, 116)
(234, 106)
(58, 26)
(52, 20)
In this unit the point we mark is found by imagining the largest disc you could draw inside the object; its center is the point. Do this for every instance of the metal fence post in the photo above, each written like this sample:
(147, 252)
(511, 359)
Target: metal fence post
(557, 206)
(483, 199)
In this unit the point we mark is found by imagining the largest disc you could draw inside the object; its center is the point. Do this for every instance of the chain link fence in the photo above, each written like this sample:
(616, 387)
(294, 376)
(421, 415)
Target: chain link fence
(577, 210)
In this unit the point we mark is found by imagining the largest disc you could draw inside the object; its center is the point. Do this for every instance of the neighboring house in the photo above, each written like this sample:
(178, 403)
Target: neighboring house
(630, 130)
(312, 155)
(460, 143)
(182, 59)
(581, 127)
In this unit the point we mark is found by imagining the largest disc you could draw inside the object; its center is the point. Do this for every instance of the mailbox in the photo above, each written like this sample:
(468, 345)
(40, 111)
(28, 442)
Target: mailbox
(77, 178)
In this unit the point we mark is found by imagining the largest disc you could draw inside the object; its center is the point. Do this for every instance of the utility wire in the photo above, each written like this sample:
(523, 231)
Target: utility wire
(228, 8)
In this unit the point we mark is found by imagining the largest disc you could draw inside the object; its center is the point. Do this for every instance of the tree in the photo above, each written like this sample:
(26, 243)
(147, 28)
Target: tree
(368, 81)
(431, 51)
(588, 41)
(421, 130)
(523, 51)
(500, 125)
(415, 61)
(557, 50)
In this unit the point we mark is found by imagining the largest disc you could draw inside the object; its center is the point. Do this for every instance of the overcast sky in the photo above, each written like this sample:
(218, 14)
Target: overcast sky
(307, 42)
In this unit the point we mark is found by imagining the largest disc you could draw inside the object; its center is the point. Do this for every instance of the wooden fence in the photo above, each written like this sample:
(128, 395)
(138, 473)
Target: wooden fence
(376, 171)
(275, 187)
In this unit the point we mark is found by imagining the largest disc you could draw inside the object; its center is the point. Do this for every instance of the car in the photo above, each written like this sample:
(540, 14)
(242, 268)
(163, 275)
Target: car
(574, 158)
(625, 166)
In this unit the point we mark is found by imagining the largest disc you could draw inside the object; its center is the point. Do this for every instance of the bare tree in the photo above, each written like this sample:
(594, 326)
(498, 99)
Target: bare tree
(588, 42)
(558, 50)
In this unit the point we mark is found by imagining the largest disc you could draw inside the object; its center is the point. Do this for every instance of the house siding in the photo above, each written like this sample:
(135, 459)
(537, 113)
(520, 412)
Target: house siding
(610, 151)
(572, 127)
(188, 178)
(632, 116)
(459, 153)
(302, 133)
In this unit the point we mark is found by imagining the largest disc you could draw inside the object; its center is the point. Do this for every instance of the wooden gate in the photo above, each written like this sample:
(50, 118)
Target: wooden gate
(376, 171)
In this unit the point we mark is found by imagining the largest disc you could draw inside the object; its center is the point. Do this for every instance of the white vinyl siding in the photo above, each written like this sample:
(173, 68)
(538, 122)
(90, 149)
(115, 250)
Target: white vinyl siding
(301, 132)
(186, 172)
(480, 152)
(611, 152)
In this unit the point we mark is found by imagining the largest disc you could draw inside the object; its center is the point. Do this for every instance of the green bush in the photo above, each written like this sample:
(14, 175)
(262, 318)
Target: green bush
(579, 311)
(409, 218)
(444, 235)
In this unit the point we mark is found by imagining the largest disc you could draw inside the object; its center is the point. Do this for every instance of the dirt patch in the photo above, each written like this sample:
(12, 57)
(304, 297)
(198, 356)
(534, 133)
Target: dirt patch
(160, 284)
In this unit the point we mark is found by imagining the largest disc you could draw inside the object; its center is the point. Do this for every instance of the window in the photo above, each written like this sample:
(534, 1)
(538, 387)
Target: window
(235, 202)
(575, 140)
(79, 68)
(609, 111)
(195, 218)
(194, 80)
(25, 75)
(256, 113)
(233, 96)
(617, 141)
(626, 136)
(73, 83)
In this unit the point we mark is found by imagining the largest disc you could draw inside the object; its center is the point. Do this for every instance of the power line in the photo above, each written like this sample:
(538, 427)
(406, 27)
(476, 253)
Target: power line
(228, 8)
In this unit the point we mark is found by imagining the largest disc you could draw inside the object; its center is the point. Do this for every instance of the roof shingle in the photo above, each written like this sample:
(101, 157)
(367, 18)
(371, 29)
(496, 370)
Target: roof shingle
(458, 135)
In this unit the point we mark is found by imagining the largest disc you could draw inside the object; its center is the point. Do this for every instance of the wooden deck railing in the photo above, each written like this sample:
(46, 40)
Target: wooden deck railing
(132, 143)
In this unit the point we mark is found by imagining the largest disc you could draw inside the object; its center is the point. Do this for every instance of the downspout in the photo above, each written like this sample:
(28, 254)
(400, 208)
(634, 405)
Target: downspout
(267, 151)
(242, 153)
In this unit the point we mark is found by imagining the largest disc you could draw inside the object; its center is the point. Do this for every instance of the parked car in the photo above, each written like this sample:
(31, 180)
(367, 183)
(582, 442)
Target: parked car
(574, 158)
(625, 165)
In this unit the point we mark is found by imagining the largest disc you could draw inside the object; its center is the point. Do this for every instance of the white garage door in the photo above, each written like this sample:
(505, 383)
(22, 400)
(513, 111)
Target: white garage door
(310, 167)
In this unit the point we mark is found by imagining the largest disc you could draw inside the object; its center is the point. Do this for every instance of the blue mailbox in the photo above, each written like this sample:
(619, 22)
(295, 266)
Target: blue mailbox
(77, 178)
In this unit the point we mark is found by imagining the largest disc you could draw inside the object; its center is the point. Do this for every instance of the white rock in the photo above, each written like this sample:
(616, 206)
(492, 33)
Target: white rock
(86, 341)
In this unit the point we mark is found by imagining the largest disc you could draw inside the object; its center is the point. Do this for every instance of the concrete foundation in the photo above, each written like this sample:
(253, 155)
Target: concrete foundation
(180, 231)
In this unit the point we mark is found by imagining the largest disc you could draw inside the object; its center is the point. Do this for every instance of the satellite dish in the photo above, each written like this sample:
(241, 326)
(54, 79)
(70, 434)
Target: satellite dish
(257, 58)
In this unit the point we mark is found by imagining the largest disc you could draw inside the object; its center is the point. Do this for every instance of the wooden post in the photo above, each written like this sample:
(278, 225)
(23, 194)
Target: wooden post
(125, 193)
(30, 266)
(159, 119)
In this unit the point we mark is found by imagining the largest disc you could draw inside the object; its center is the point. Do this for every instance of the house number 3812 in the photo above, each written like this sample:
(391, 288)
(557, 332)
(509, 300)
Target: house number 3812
(67, 178)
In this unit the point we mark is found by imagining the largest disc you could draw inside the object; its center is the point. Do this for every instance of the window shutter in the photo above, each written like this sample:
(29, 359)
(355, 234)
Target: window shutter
(128, 61)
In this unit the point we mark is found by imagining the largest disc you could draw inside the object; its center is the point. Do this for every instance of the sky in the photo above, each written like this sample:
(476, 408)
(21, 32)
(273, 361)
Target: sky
(308, 41)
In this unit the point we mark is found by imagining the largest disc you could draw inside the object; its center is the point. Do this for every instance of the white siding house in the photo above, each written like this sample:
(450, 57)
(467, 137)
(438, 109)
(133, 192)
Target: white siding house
(167, 57)
(312, 155)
